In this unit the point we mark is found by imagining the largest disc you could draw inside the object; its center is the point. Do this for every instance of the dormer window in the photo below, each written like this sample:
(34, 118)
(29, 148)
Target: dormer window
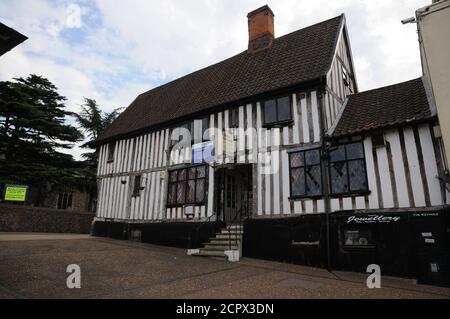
(278, 111)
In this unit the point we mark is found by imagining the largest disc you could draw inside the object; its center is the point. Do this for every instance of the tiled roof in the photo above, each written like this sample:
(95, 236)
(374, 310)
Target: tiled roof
(302, 56)
(384, 107)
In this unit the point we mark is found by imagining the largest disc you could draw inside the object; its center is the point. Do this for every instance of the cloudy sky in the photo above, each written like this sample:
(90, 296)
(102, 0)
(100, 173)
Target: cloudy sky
(112, 50)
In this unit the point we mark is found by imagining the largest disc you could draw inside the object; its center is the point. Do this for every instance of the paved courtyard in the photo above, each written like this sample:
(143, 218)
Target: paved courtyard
(34, 266)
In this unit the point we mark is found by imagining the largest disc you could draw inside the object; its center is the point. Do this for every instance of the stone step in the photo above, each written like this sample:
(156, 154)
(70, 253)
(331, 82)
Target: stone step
(223, 241)
(221, 246)
(210, 253)
(229, 236)
(232, 231)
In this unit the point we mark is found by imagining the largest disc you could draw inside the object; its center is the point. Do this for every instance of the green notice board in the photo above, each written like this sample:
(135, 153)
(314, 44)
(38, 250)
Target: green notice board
(15, 193)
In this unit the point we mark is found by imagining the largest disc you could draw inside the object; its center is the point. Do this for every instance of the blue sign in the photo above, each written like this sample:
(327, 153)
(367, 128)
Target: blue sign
(203, 153)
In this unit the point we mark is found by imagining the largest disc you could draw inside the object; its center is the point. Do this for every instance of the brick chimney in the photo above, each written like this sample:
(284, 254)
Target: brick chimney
(260, 29)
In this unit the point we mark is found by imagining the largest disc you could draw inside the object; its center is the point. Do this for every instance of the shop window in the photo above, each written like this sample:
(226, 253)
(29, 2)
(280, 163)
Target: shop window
(347, 169)
(187, 186)
(65, 200)
(278, 111)
(358, 238)
(305, 174)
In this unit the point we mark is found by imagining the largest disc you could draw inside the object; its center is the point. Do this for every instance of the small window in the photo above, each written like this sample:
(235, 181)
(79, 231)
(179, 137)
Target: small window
(278, 111)
(111, 149)
(137, 186)
(305, 174)
(348, 169)
(187, 186)
(358, 238)
(65, 200)
(378, 140)
(234, 118)
(195, 129)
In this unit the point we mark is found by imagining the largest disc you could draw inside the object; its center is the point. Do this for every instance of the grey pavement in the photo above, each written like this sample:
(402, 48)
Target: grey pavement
(34, 266)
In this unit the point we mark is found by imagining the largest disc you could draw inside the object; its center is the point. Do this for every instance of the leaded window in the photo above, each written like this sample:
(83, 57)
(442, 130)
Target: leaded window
(348, 169)
(187, 186)
(305, 174)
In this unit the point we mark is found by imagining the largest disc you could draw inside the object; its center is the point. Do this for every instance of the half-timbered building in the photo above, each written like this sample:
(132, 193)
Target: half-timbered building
(273, 153)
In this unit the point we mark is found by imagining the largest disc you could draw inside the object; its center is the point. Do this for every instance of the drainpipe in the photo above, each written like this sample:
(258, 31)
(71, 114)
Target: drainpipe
(325, 179)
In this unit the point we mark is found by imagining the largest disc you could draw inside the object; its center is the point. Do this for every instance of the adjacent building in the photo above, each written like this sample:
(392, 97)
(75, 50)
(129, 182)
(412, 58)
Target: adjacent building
(434, 28)
(274, 153)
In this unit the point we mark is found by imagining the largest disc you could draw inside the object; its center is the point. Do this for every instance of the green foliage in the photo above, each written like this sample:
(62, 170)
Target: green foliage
(93, 122)
(33, 127)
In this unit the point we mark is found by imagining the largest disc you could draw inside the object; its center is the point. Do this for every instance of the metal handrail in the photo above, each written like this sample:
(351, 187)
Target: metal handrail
(233, 222)
(197, 229)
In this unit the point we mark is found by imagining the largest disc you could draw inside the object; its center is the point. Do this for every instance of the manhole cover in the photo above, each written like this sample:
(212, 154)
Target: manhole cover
(292, 283)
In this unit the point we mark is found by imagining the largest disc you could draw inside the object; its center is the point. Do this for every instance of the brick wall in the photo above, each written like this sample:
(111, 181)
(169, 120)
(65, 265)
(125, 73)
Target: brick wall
(44, 220)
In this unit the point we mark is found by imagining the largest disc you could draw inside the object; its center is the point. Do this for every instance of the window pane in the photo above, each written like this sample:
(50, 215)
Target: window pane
(338, 176)
(270, 114)
(182, 175)
(284, 109)
(298, 182)
(181, 192)
(338, 154)
(200, 191)
(205, 126)
(172, 193)
(191, 191)
(357, 172)
(355, 151)
(313, 181)
(297, 159)
(312, 157)
(201, 171)
(173, 176)
(192, 173)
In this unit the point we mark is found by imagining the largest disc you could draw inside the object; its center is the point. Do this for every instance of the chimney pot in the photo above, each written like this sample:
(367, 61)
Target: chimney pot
(260, 29)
